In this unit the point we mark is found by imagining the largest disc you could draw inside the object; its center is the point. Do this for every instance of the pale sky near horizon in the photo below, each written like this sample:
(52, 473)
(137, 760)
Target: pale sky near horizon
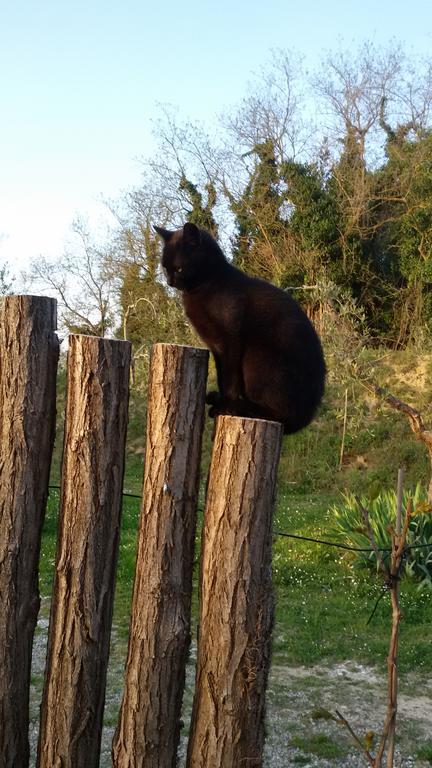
(81, 83)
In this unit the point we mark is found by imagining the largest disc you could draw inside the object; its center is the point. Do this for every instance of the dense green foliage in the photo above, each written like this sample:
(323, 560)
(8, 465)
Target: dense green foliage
(336, 205)
(351, 209)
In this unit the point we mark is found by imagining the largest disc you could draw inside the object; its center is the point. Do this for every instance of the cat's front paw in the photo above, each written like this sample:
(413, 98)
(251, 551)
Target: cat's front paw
(218, 408)
(213, 398)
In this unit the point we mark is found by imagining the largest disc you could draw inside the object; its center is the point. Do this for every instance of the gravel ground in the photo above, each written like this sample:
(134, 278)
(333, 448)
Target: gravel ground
(294, 736)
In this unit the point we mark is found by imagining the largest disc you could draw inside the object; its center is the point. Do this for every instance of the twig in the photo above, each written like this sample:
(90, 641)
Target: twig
(416, 423)
(357, 740)
(413, 414)
(389, 732)
(369, 531)
(401, 477)
(383, 591)
(342, 449)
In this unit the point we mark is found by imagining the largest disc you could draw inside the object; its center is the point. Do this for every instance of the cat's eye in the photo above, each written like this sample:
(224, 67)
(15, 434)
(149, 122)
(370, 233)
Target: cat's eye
(179, 269)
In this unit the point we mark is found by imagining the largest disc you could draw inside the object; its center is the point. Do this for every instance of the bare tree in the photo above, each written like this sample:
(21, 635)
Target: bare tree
(6, 280)
(351, 86)
(81, 281)
(185, 157)
(273, 109)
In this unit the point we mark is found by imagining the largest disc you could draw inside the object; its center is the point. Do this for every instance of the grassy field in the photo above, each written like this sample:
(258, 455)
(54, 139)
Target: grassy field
(322, 604)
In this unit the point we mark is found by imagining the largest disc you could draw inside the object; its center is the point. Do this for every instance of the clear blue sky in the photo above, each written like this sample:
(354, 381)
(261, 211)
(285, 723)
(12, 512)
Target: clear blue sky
(80, 83)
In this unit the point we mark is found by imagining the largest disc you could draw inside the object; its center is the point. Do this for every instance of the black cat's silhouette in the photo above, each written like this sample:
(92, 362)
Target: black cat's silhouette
(268, 356)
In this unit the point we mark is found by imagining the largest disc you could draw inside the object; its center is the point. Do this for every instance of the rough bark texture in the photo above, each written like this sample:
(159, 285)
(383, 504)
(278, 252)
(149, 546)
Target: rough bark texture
(91, 495)
(28, 365)
(149, 724)
(236, 611)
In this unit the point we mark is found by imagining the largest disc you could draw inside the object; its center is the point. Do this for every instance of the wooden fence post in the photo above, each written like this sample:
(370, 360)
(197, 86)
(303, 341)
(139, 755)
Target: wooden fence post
(91, 496)
(28, 365)
(236, 610)
(149, 724)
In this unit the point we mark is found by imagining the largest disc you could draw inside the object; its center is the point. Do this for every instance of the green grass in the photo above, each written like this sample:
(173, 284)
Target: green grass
(318, 744)
(126, 559)
(322, 605)
(48, 546)
(425, 752)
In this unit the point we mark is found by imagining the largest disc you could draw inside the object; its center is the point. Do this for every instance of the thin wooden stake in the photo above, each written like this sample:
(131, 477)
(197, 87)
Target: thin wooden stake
(392, 581)
(398, 543)
(342, 449)
(399, 502)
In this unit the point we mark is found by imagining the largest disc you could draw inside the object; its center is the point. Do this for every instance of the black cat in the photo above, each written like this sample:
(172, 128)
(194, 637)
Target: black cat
(268, 356)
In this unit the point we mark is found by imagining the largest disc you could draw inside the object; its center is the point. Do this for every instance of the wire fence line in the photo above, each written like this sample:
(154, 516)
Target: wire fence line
(299, 537)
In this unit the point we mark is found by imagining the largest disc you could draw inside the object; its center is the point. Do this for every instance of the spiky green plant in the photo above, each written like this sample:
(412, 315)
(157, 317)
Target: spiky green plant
(347, 527)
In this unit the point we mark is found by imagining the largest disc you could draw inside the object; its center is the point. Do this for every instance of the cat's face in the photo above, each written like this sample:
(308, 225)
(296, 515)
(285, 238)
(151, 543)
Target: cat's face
(182, 260)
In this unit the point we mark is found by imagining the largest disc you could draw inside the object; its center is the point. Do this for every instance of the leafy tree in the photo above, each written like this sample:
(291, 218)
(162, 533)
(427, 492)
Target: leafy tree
(314, 216)
(149, 311)
(403, 242)
(257, 211)
(345, 203)
(201, 213)
(376, 179)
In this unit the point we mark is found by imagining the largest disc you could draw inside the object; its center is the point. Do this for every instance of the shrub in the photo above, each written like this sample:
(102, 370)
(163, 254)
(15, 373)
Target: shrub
(346, 525)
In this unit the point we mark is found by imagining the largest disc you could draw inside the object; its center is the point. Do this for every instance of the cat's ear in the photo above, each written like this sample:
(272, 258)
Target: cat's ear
(165, 234)
(191, 233)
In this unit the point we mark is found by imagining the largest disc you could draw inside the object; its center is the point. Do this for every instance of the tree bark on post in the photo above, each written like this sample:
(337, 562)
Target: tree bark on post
(148, 731)
(91, 496)
(236, 610)
(28, 366)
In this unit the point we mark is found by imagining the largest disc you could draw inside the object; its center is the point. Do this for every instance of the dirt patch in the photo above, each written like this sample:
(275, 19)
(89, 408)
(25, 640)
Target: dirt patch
(359, 692)
(414, 375)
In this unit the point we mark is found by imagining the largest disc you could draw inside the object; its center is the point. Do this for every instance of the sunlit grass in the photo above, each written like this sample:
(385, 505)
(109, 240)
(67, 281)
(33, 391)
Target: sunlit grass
(322, 606)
